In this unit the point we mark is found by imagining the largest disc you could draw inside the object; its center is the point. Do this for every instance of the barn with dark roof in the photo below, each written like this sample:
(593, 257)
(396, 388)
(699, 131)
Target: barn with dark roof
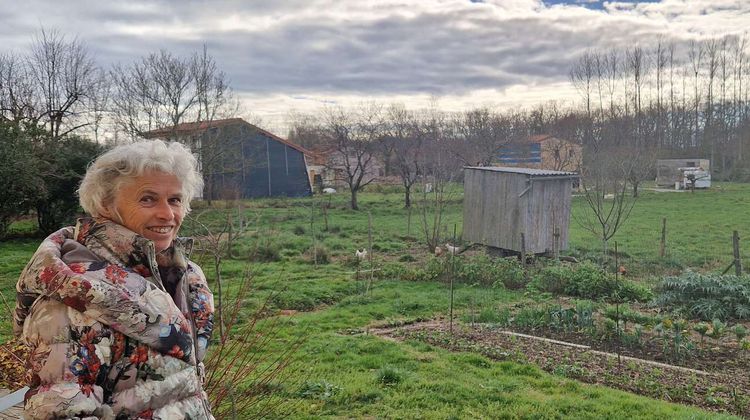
(241, 160)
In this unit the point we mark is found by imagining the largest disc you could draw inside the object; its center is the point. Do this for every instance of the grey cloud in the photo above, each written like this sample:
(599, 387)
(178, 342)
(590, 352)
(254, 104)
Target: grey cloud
(317, 47)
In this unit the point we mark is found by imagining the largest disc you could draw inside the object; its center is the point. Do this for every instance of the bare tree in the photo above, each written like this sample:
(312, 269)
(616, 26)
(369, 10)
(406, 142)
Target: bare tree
(353, 136)
(65, 74)
(17, 94)
(403, 141)
(160, 90)
(479, 135)
(605, 191)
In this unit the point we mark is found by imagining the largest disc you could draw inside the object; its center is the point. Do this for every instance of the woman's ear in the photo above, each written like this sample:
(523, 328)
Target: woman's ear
(106, 211)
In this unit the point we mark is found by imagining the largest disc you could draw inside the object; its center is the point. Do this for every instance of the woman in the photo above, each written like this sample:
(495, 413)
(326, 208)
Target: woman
(117, 318)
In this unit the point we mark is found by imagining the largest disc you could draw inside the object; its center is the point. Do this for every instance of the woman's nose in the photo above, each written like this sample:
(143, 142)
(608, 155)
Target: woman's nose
(164, 211)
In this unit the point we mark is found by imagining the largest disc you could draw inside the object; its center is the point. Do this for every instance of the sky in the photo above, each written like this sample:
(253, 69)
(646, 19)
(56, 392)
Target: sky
(296, 56)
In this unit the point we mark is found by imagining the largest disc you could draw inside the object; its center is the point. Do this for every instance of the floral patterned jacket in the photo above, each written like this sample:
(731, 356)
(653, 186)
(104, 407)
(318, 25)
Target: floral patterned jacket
(107, 338)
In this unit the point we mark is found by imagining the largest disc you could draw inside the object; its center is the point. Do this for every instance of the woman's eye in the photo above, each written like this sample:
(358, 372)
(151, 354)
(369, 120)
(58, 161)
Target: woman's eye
(175, 201)
(147, 199)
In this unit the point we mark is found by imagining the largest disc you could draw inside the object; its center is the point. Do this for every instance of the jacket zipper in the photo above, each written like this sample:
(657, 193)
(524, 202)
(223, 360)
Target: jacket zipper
(186, 292)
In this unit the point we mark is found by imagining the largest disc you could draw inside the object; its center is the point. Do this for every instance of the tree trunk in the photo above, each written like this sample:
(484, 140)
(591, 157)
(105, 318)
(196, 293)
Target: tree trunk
(354, 200)
(407, 197)
(635, 189)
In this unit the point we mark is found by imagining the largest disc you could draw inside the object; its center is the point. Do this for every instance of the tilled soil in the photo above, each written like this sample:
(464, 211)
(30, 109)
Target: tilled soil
(720, 384)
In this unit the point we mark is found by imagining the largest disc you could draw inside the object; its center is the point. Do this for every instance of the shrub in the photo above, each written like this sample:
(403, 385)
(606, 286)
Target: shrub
(588, 281)
(553, 279)
(299, 230)
(319, 254)
(391, 271)
(407, 258)
(487, 271)
(706, 296)
(388, 376)
(265, 250)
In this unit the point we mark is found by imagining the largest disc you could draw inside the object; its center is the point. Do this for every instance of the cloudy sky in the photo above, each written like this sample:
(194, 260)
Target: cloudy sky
(298, 55)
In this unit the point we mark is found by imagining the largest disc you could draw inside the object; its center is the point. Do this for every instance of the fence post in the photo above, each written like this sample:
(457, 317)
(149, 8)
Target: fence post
(453, 275)
(663, 242)
(369, 245)
(556, 244)
(736, 246)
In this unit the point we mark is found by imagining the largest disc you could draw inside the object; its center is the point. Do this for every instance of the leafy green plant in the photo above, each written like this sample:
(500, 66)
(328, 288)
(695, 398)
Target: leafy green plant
(717, 330)
(486, 271)
(706, 296)
(587, 280)
(702, 329)
(740, 332)
(321, 390)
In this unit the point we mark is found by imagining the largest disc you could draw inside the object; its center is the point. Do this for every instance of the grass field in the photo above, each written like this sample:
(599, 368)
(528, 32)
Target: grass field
(347, 373)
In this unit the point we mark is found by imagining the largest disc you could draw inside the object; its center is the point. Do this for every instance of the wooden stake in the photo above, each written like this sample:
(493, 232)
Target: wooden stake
(453, 274)
(312, 232)
(736, 246)
(663, 242)
(369, 246)
(408, 223)
(556, 243)
(523, 251)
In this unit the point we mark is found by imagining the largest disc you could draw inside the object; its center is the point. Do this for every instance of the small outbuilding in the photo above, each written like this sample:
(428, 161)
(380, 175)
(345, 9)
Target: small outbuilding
(671, 171)
(502, 203)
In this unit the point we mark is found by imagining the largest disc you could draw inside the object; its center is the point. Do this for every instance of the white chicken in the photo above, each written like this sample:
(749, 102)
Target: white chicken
(453, 250)
(361, 255)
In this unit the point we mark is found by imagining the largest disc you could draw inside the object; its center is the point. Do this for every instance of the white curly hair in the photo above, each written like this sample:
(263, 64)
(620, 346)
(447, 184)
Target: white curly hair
(112, 169)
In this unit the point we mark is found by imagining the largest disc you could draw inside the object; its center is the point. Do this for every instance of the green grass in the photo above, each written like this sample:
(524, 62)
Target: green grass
(345, 367)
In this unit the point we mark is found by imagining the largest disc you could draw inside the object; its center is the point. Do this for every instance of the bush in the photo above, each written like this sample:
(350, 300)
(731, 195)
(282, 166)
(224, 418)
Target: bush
(318, 254)
(388, 376)
(265, 250)
(487, 271)
(706, 296)
(553, 279)
(407, 258)
(588, 281)
(299, 230)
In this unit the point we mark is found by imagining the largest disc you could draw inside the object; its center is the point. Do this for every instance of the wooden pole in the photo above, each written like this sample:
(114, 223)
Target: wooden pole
(453, 274)
(523, 251)
(736, 246)
(312, 233)
(663, 242)
(408, 223)
(369, 246)
(556, 243)
(617, 309)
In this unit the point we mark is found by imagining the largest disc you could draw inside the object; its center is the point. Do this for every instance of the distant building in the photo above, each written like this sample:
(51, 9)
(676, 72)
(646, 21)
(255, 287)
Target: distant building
(240, 160)
(542, 151)
(668, 171)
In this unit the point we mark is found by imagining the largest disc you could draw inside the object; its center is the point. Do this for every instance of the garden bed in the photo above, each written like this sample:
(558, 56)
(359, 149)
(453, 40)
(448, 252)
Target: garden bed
(715, 380)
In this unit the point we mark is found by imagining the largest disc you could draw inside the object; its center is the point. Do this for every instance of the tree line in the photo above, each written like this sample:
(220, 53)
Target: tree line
(57, 102)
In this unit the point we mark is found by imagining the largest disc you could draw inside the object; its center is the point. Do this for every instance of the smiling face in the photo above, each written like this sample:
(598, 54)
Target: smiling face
(150, 205)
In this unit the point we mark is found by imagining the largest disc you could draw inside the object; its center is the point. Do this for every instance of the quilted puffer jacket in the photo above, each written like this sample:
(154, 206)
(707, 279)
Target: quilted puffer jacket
(115, 330)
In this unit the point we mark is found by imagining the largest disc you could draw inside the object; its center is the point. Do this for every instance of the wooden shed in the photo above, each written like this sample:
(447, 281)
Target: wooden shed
(501, 203)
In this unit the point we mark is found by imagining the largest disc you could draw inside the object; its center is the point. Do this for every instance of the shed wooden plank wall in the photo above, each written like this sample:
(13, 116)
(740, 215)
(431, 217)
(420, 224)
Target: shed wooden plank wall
(548, 208)
(491, 216)
(498, 207)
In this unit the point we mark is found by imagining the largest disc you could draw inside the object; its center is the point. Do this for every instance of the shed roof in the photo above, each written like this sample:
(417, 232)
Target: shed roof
(536, 173)
(194, 127)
